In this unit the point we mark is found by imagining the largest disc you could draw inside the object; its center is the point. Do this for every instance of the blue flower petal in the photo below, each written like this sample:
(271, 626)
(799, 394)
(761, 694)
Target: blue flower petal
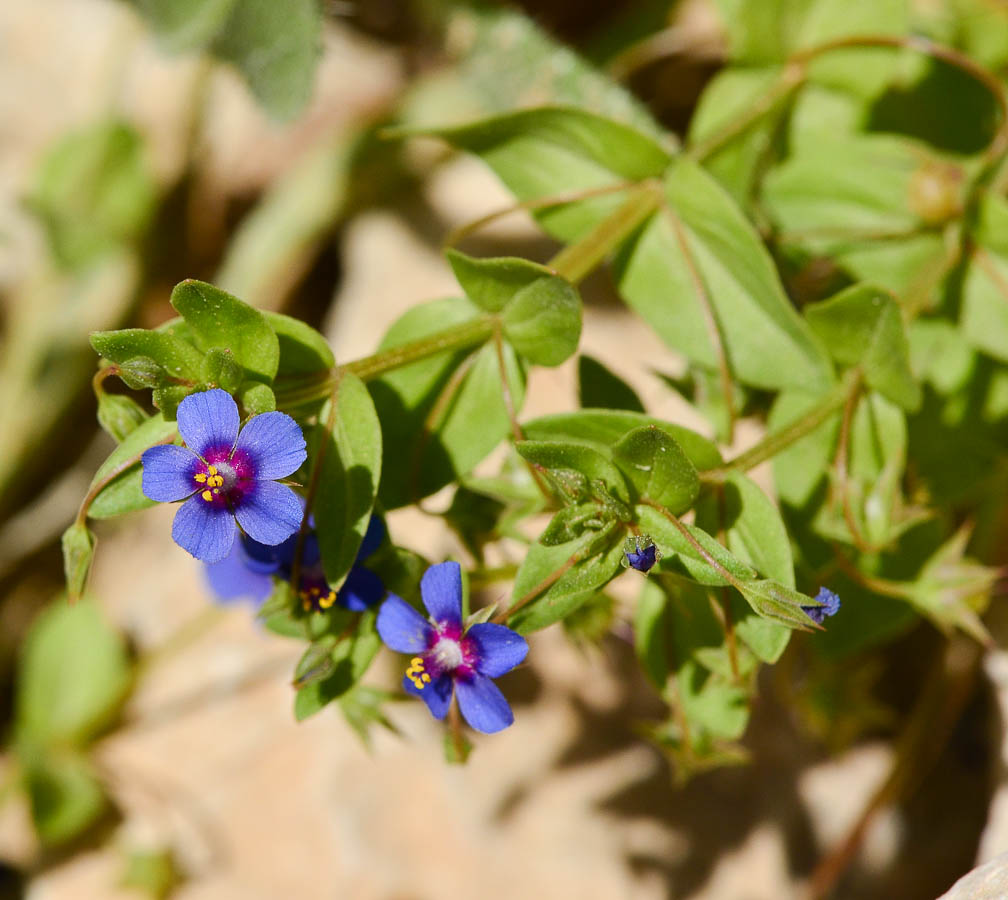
(233, 578)
(402, 628)
(373, 537)
(482, 704)
(167, 473)
(275, 443)
(206, 530)
(437, 694)
(208, 420)
(441, 589)
(498, 648)
(267, 558)
(830, 606)
(361, 590)
(269, 512)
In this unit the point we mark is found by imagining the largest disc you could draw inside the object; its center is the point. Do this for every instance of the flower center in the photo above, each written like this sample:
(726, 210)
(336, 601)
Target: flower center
(217, 479)
(447, 654)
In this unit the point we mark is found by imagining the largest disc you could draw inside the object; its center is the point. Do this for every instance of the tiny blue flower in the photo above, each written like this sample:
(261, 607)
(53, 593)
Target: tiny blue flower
(225, 474)
(249, 569)
(640, 553)
(830, 606)
(446, 658)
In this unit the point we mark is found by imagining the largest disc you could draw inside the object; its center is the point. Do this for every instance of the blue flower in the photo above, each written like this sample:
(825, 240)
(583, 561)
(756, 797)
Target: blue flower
(445, 658)
(248, 572)
(830, 606)
(225, 475)
(640, 553)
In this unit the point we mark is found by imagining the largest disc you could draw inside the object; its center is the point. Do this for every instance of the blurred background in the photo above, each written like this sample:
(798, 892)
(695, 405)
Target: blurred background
(130, 160)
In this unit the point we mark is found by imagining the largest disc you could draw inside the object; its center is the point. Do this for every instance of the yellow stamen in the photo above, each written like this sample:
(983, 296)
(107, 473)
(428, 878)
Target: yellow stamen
(207, 495)
(416, 673)
(328, 600)
(200, 477)
(211, 470)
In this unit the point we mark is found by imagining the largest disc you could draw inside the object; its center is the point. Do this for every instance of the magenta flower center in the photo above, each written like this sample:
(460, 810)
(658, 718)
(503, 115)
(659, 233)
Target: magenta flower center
(451, 653)
(223, 477)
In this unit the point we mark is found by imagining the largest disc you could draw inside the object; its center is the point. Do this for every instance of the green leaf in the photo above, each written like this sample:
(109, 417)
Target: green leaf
(119, 415)
(504, 55)
(492, 283)
(680, 556)
(605, 427)
(872, 202)
(543, 321)
(940, 354)
(780, 604)
(362, 708)
(801, 467)
(770, 30)
(729, 96)
(652, 624)
(302, 349)
(540, 312)
(78, 550)
(94, 191)
(658, 468)
(596, 561)
(350, 659)
(984, 316)
(181, 26)
(257, 398)
(876, 461)
(561, 457)
(65, 795)
(439, 421)
(559, 150)
(72, 678)
(599, 387)
(219, 320)
(178, 358)
(755, 534)
(863, 326)
(220, 370)
(350, 456)
(276, 47)
(141, 372)
(154, 872)
(123, 492)
(698, 273)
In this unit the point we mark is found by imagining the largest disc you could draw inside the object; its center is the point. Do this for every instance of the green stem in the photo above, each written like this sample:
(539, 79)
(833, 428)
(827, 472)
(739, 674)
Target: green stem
(774, 443)
(575, 261)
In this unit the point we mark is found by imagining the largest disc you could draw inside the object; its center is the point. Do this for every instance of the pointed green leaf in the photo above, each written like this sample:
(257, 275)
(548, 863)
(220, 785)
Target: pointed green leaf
(596, 561)
(175, 356)
(547, 151)
(78, 550)
(73, 676)
(658, 468)
(218, 319)
(863, 326)
(350, 456)
(64, 793)
(577, 457)
(277, 48)
(699, 274)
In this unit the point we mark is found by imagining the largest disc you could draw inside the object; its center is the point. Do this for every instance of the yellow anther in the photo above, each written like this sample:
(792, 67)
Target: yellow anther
(200, 477)
(315, 591)
(211, 470)
(207, 495)
(328, 600)
(305, 603)
(416, 673)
